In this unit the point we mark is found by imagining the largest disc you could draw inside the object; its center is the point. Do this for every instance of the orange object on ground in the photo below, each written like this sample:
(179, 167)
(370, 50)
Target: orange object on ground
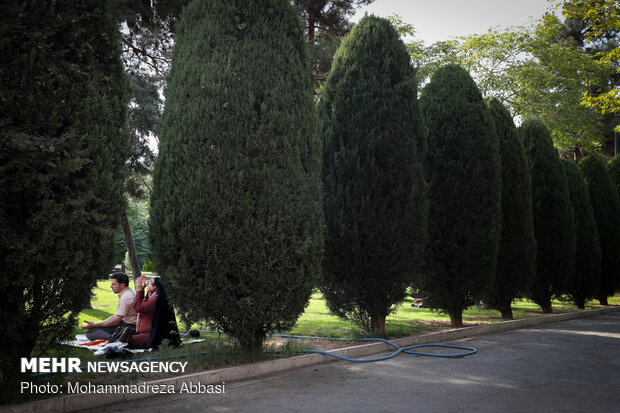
(94, 343)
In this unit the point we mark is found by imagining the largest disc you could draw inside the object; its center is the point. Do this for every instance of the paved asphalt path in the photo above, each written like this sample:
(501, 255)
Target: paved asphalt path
(571, 366)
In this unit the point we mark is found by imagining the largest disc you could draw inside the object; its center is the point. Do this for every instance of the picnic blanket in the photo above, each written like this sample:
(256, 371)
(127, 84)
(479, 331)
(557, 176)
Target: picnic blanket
(82, 342)
(99, 345)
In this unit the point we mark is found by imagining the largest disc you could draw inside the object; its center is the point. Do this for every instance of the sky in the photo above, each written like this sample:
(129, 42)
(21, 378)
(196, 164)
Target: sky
(435, 20)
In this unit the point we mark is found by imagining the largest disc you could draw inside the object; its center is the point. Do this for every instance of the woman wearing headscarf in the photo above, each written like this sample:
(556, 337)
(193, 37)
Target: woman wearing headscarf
(156, 319)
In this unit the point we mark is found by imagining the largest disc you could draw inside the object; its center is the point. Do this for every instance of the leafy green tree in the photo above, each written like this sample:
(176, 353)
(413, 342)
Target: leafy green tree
(606, 207)
(554, 223)
(375, 203)
(601, 25)
(584, 283)
(614, 171)
(64, 141)
(516, 259)
(539, 71)
(236, 218)
(552, 84)
(463, 175)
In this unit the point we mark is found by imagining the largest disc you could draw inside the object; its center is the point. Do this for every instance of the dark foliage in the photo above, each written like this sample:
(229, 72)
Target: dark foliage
(63, 143)
(375, 203)
(516, 259)
(463, 174)
(554, 223)
(584, 283)
(606, 207)
(614, 171)
(236, 219)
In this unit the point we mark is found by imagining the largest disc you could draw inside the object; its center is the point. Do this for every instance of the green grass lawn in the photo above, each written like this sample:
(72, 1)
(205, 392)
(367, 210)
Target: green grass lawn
(316, 320)
(408, 320)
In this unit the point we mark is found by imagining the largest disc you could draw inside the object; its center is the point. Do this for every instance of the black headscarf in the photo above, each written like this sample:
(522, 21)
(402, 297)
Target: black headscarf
(164, 322)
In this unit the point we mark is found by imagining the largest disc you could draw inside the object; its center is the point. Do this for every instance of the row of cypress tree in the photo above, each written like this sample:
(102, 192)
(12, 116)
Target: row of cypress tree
(483, 243)
(238, 209)
(442, 193)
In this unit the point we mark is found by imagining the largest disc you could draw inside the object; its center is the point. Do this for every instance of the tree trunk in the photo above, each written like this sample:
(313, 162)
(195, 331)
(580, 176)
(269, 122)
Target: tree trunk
(506, 313)
(546, 307)
(577, 155)
(252, 346)
(580, 303)
(131, 249)
(311, 27)
(456, 319)
(603, 300)
(377, 325)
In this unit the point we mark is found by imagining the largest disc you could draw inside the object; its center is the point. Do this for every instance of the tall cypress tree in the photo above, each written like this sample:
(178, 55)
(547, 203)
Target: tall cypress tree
(554, 224)
(463, 174)
(606, 207)
(64, 142)
(236, 217)
(516, 260)
(584, 283)
(375, 204)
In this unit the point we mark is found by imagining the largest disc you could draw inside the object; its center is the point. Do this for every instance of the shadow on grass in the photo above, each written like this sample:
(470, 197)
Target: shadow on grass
(96, 314)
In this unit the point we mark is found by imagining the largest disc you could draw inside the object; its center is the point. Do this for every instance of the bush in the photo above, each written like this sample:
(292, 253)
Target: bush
(516, 259)
(554, 223)
(606, 207)
(463, 174)
(375, 202)
(236, 217)
(584, 283)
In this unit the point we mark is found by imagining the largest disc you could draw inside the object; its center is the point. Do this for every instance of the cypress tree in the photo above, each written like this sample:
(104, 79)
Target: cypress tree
(584, 283)
(554, 224)
(606, 207)
(236, 218)
(463, 174)
(614, 171)
(375, 206)
(63, 145)
(516, 259)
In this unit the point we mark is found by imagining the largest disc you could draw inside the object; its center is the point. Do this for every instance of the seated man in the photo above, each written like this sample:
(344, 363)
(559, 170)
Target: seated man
(125, 315)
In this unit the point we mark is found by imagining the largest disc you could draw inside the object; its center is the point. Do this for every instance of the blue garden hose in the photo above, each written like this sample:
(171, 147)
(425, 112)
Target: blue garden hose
(407, 350)
(469, 351)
